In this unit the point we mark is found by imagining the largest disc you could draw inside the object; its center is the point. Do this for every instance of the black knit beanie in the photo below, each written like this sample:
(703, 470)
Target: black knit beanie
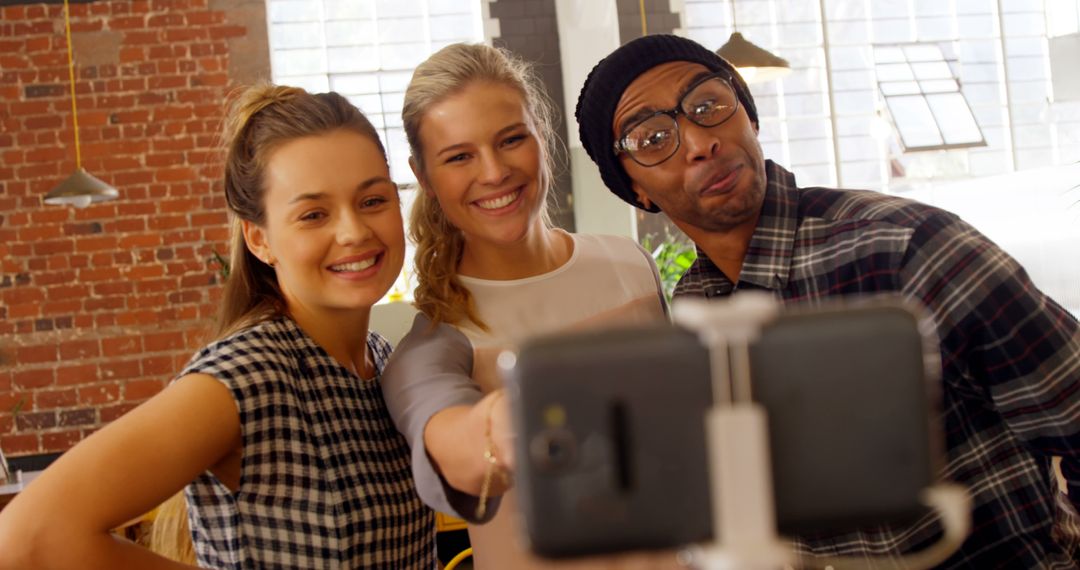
(606, 83)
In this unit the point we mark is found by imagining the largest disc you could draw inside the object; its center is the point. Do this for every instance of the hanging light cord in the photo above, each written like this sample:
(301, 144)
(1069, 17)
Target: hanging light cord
(641, 8)
(71, 78)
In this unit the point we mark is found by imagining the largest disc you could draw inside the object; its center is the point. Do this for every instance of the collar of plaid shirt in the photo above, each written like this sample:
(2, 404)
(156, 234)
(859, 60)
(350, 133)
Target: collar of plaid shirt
(768, 258)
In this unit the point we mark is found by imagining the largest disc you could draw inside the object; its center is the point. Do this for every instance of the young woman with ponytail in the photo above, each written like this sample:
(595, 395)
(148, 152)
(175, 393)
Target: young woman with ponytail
(276, 431)
(492, 271)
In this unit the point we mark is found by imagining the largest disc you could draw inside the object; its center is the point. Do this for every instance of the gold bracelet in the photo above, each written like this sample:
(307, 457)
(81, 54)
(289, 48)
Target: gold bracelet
(489, 460)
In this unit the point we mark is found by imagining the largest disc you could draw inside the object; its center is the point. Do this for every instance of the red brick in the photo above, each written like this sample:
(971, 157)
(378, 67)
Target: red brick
(21, 295)
(178, 205)
(164, 20)
(100, 274)
(158, 342)
(40, 353)
(41, 232)
(79, 349)
(20, 444)
(137, 318)
(139, 240)
(121, 345)
(98, 304)
(53, 399)
(77, 374)
(205, 18)
(141, 389)
(99, 394)
(97, 243)
(147, 301)
(158, 366)
(65, 292)
(127, 23)
(64, 308)
(138, 272)
(142, 37)
(117, 288)
(167, 82)
(60, 441)
(172, 222)
(24, 310)
(111, 413)
(28, 379)
(156, 285)
(120, 369)
(54, 246)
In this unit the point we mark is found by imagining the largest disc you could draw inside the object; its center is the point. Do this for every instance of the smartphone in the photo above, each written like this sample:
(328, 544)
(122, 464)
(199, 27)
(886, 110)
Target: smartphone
(611, 444)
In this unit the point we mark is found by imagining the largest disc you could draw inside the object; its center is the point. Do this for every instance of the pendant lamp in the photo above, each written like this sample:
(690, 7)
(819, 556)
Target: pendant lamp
(755, 64)
(81, 188)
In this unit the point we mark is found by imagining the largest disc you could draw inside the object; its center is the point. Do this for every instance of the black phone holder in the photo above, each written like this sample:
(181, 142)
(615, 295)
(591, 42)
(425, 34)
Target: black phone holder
(738, 446)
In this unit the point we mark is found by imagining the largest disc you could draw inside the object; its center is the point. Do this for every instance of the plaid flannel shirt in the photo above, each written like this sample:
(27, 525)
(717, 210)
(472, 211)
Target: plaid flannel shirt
(1010, 359)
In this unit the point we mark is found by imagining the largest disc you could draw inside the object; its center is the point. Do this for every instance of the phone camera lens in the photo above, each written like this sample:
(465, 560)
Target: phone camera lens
(553, 449)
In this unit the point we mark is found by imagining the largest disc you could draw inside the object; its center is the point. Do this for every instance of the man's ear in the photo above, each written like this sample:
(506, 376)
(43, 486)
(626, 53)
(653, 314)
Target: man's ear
(257, 244)
(641, 197)
(418, 173)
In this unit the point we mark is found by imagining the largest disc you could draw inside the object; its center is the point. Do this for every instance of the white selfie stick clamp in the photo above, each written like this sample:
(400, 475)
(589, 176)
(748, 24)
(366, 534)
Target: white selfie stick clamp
(737, 436)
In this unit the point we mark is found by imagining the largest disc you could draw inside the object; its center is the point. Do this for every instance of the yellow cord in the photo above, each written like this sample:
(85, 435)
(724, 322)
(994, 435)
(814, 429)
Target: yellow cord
(71, 77)
(457, 559)
(641, 6)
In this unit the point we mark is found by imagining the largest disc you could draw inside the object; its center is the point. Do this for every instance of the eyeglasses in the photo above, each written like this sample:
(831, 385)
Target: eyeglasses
(708, 102)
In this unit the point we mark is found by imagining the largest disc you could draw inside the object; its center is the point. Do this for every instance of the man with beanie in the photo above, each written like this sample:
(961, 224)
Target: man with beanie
(673, 128)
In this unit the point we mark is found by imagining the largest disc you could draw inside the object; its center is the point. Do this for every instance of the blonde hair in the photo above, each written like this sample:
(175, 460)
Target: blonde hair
(439, 245)
(262, 119)
(169, 534)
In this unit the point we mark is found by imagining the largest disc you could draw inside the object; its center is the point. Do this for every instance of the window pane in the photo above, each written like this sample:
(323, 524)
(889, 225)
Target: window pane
(914, 120)
(899, 88)
(931, 70)
(939, 86)
(888, 55)
(923, 52)
(894, 72)
(954, 117)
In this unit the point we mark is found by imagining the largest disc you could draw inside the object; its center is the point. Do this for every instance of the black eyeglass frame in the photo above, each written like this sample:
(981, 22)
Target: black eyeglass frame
(620, 144)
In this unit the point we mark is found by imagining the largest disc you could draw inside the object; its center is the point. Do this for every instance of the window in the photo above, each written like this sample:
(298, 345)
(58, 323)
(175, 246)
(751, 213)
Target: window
(824, 120)
(924, 98)
(366, 50)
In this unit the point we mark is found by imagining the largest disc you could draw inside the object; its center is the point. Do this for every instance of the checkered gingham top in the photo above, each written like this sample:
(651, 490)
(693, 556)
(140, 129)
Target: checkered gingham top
(325, 481)
(1010, 358)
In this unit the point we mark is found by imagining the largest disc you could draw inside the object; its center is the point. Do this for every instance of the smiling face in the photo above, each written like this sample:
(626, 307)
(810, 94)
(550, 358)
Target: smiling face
(715, 182)
(333, 228)
(482, 161)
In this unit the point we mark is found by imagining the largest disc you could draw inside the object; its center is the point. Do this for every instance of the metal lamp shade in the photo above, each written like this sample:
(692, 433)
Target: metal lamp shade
(754, 63)
(80, 190)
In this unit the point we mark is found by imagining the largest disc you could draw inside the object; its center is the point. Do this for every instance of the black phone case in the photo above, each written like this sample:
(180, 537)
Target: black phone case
(610, 441)
(611, 448)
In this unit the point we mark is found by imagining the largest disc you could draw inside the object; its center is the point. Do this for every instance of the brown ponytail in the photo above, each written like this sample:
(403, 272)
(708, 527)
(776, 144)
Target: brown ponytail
(263, 118)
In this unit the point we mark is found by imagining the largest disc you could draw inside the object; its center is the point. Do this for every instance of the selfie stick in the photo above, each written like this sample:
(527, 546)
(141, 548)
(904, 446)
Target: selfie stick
(738, 440)
(742, 491)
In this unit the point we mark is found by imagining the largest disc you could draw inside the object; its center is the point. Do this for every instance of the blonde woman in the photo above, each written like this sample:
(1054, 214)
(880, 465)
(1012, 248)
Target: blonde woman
(277, 429)
(492, 271)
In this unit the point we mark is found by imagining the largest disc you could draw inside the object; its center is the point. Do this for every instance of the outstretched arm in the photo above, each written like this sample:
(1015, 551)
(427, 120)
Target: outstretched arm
(442, 412)
(63, 519)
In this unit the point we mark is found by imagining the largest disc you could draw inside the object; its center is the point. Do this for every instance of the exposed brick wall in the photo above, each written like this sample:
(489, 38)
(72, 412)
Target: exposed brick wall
(99, 307)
